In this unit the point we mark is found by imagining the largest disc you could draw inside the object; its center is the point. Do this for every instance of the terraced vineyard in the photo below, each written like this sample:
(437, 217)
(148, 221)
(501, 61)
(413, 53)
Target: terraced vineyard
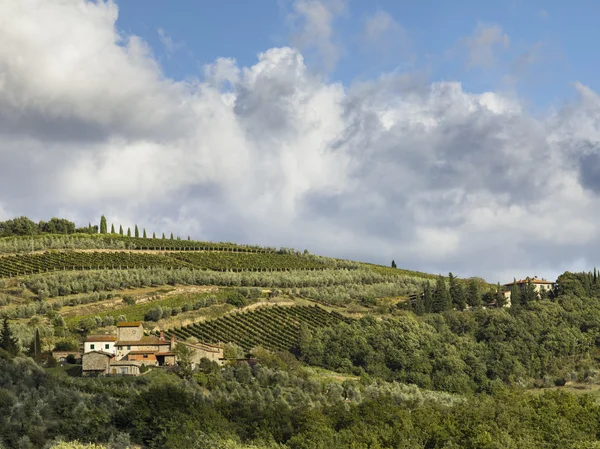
(274, 328)
(222, 261)
(24, 264)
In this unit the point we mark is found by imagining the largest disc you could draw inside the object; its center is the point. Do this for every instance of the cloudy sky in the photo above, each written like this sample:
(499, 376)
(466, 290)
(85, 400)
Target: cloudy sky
(459, 138)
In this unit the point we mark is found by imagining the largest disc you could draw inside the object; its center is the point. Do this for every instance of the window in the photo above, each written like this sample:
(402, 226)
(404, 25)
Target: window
(92, 346)
(106, 346)
(128, 348)
(145, 356)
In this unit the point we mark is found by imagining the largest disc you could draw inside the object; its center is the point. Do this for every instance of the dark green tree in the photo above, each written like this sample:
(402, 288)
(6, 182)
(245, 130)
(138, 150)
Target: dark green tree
(35, 349)
(473, 295)
(171, 236)
(128, 232)
(8, 342)
(427, 297)
(103, 225)
(418, 306)
(394, 264)
(163, 235)
(529, 294)
(189, 238)
(457, 293)
(153, 235)
(441, 297)
(112, 228)
(515, 294)
(500, 298)
(144, 233)
(137, 231)
(595, 276)
(121, 229)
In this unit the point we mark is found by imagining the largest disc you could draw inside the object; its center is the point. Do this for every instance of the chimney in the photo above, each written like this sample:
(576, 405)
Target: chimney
(162, 335)
(172, 341)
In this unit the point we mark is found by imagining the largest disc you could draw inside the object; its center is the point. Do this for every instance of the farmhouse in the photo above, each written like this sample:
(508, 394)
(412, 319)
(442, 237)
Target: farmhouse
(104, 343)
(126, 352)
(539, 285)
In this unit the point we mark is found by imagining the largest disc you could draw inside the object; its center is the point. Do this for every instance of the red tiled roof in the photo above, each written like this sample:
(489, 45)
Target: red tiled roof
(129, 324)
(93, 338)
(534, 280)
(99, 352)
(146, 340)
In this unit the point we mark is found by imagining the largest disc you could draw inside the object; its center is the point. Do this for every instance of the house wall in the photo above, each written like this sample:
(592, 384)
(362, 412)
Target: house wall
(94, 362)
(105, 346)
(123, 350)
(150, 359)
(213, 353)
(130, 333)
(125, 370)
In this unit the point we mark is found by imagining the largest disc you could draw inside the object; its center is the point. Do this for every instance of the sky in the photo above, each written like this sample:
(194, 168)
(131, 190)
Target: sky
(449, 136)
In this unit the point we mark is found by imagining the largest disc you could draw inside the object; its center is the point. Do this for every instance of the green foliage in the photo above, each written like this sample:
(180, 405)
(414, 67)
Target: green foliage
(8, 341)
(394, 264)
(144, 234)
(236, 299)
(473, 294)
(128, 232)
(457, 293)
(441, 297)
(112, 228)
(275, 327)
(137, 232)
(120, 230)
(103, 225)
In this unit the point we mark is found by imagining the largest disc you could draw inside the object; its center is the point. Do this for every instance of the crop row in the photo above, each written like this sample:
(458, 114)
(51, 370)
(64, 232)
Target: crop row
(24, 264)
(223, 261)
(275, 328)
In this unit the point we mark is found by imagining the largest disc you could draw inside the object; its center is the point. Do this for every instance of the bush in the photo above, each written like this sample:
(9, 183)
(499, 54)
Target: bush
(154, 314)
(129, 300)
(237, 299)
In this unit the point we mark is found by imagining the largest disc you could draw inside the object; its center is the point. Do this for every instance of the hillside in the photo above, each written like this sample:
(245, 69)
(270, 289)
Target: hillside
(333, 346)
(87, 281)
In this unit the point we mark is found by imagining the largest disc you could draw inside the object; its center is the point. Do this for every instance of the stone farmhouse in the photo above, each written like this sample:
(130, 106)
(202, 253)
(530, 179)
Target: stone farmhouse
(130, 349)
(539, 286)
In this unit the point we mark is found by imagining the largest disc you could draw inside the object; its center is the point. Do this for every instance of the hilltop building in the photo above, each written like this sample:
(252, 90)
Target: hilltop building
(126, 352)
(539, 285)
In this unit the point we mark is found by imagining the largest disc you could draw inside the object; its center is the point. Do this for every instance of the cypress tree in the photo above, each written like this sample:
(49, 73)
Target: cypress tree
(189, 238)
(144, 234)
(36, 345)
(473, 296)
(528, 294)
(171, 236)
(8, 341)
(457, 293)
(441, 296)
(595, 276)
(121, 229)
(394, 264)
(163, 236)
(128, 232)
(153, 235)
(112, 228)
(500, 298)
(103, 225)
(515, 294)
(137, 232)
(419, 305)
(89, 227)
(427, 297)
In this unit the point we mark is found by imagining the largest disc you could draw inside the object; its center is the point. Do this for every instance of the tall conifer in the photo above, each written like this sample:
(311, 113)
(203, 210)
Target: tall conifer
(441, 296)
(103, 225)
(144, 233)
(128, 232)
(121, 229)
(112, 228)
(137, 232)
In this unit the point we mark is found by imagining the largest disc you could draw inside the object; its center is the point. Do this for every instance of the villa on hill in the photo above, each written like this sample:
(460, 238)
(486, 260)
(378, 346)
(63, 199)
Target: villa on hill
(129, 350)
(538, 284)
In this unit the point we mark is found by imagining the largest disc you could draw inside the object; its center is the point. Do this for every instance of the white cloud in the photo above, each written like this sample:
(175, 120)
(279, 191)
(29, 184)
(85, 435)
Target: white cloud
(312, 24)
(386, 37)
(484, 44)
(437, 178)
